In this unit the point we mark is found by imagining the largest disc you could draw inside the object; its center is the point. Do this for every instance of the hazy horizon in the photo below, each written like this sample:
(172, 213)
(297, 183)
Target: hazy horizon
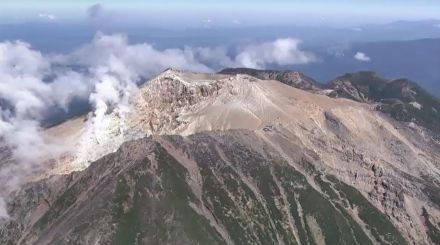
(192, 14)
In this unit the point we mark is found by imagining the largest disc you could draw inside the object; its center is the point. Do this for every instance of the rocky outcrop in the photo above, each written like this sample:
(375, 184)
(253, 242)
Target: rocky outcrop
(291, 78)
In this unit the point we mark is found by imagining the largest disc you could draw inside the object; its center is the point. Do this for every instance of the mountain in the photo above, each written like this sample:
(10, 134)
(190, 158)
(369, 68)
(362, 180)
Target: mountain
(234, 159)
(402, 99)
(413, 59)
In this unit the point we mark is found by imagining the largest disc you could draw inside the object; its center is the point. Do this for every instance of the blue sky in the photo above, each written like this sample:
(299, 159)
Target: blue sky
(191, 12)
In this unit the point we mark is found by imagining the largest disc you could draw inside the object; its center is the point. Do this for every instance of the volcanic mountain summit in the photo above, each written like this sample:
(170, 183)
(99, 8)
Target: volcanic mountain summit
(236, 158)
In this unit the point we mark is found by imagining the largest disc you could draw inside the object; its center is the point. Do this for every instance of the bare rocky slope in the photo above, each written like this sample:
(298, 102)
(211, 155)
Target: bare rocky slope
(291, 78)
(233, 159)
(402, 99)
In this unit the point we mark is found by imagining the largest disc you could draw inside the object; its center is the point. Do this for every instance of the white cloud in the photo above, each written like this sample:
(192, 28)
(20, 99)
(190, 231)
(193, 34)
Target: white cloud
(211, 57)
(279, 52)
(24, 98)
(21, 74)
(134, 59)
(47, 16)
(362, 57)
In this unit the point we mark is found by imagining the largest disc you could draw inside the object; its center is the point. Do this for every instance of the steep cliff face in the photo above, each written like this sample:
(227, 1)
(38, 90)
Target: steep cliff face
(232, 159)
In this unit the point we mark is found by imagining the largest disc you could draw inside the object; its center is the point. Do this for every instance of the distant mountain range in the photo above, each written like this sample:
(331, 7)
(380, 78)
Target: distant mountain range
(61, 36)
(417, 60)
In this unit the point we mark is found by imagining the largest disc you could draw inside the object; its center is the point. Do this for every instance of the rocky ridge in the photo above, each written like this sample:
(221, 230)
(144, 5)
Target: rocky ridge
(291, 78)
